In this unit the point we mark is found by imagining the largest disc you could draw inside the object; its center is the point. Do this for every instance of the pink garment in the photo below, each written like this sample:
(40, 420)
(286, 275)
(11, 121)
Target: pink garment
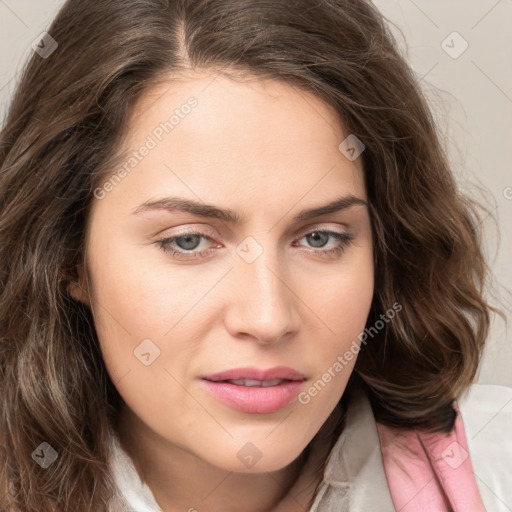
(429, 472)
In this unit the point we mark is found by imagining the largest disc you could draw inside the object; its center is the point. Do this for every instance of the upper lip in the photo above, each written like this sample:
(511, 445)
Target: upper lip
(278, 372)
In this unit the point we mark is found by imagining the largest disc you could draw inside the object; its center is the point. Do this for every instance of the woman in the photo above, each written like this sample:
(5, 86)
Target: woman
(236, 270)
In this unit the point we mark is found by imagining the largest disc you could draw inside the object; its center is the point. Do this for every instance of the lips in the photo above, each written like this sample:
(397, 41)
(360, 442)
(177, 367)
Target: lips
(253, 390)
(252, 383)
(256, 374)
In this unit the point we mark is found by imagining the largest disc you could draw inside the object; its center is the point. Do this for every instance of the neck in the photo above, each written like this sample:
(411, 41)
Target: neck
(166, 469)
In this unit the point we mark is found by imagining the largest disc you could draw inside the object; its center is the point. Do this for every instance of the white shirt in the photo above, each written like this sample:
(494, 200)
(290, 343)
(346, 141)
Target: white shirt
(354, 478)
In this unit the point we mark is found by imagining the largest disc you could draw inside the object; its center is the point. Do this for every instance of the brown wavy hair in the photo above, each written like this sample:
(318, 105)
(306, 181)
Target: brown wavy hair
(61, 139)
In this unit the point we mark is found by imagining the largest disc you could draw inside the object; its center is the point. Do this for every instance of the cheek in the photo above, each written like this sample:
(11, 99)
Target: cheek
(130, 293)
(135, 301)
(125, 306)
(350, 306)
(343, 306)
(343, 300)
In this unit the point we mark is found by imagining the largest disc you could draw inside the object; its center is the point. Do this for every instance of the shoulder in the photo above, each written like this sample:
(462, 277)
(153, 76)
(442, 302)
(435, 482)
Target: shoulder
(486, 412)
(486, 409)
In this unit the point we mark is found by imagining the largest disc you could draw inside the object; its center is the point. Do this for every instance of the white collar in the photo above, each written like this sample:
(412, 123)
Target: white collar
(354, 478)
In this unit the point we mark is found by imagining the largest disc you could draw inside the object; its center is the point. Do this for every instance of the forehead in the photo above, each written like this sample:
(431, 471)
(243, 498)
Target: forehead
(263, 116)
(212, 138)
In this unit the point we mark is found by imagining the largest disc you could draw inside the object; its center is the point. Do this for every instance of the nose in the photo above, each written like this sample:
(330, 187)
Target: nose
(262, 304)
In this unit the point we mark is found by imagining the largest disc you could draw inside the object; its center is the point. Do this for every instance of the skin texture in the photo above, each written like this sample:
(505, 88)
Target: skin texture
(265, 150)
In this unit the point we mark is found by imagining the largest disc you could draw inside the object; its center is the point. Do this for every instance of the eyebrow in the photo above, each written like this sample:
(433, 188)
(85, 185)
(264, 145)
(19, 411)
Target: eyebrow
(173, 204)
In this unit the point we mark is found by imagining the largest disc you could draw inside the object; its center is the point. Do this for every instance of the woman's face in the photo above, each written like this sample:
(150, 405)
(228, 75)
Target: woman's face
(261, 291)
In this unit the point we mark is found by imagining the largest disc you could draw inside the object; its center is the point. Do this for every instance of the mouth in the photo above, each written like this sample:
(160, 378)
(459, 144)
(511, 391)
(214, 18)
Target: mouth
(253, 390)
(253, 383)
(250, 373)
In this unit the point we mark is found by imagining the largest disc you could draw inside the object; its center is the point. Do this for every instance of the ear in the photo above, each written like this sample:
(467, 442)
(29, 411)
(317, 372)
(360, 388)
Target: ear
(78, 289)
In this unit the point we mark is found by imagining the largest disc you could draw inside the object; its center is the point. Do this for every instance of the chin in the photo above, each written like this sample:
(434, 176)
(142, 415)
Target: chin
(250, 457)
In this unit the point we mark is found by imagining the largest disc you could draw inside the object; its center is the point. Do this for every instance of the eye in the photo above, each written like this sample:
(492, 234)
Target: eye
(318, 238)
(187, 243)
(184, 246)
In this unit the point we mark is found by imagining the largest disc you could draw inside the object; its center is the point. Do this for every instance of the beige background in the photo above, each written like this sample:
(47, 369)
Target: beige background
(470, 93)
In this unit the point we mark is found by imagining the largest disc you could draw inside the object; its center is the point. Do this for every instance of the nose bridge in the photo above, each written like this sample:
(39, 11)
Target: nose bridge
(265, 305)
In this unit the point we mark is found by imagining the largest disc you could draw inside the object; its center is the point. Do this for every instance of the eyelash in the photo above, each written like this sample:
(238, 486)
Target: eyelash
(165, 244)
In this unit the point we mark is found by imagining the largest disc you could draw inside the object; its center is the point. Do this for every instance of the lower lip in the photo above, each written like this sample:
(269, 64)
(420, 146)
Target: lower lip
(254, 399)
